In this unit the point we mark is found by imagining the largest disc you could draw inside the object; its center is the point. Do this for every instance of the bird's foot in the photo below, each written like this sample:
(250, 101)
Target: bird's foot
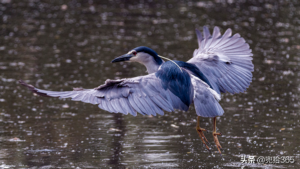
(202, 136)
(215, 135)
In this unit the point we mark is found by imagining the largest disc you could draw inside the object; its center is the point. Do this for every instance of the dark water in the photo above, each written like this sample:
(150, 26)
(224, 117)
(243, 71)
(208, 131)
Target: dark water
(58, 45)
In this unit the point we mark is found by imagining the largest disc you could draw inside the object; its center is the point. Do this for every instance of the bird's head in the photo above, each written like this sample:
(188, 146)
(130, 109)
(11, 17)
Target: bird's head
(142, 54)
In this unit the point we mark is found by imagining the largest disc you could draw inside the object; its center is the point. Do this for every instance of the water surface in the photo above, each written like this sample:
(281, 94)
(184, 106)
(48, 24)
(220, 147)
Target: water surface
(59, 45)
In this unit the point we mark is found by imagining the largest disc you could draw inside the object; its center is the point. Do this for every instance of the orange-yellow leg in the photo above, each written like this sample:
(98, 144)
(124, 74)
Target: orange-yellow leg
(201, 134)
(215, 134)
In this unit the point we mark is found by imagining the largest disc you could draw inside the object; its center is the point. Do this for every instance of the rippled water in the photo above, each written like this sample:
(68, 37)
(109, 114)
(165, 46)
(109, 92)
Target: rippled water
(59, 45)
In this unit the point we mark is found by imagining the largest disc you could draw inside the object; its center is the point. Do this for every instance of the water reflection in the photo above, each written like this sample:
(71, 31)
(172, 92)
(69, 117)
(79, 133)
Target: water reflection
(58, 45)
(117, 140)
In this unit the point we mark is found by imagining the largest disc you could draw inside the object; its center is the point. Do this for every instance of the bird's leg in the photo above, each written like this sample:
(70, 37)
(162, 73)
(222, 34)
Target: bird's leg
(215, 134)
(200, 132)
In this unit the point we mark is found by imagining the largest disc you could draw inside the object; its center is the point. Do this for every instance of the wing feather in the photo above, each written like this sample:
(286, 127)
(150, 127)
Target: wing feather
(105, 106)
(225, 60)
(144, 94)
(128, 108)
(116, 105)
(199, 37)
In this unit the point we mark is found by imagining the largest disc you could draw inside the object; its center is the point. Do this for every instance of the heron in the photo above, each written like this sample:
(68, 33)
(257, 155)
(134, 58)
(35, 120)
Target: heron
(222, 63)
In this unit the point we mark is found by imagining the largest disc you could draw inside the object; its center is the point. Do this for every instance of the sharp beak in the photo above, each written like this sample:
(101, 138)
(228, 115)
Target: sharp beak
(122, 58)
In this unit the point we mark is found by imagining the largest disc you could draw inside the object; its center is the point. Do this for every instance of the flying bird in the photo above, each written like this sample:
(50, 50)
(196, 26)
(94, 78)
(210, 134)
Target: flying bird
(222, 63)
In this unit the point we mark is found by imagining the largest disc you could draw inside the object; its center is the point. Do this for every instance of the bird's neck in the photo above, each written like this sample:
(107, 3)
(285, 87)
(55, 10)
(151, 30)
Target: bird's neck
(152, 63)
(152, 67)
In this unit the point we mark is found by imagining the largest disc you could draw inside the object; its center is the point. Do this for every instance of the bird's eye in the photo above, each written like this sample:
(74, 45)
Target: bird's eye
(134, 53)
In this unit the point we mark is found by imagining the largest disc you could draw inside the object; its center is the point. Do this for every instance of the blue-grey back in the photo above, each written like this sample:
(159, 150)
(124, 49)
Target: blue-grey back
(177, 80)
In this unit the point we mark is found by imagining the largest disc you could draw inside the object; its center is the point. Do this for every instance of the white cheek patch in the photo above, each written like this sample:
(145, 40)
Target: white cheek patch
(130, 52)
(133, 59)
(139, 58)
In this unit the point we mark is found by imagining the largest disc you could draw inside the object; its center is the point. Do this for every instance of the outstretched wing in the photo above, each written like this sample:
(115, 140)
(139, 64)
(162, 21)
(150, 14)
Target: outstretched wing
(224, 59)
(144, 94)
(206, 100)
